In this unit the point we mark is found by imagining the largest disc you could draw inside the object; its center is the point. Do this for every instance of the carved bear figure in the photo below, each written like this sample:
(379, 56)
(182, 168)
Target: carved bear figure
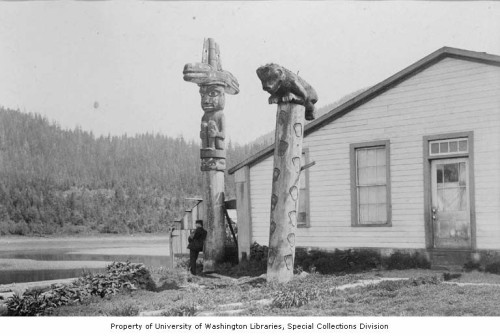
(287, 87)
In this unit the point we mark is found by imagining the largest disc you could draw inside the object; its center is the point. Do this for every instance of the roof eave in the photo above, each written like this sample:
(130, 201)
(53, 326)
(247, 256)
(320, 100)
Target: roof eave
(376, 90)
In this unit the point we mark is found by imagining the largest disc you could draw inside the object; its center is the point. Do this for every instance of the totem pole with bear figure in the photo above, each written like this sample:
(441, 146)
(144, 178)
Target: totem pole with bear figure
(214, 83)
(295, 99)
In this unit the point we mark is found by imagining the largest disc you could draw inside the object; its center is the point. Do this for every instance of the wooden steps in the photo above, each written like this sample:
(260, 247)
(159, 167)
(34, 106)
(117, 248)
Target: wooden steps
(452, 260)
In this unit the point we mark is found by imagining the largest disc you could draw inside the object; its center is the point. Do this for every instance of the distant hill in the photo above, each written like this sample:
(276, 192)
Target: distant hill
(54, 180)
(60, 181)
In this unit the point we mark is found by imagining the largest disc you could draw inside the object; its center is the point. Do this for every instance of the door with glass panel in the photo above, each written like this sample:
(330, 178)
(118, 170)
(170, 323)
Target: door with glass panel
(450, 203)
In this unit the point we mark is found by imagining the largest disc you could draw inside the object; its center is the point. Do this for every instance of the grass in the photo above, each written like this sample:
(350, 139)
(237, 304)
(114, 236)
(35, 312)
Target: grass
(400, 298)
(465, 277)
(180, 294)
(426, 300)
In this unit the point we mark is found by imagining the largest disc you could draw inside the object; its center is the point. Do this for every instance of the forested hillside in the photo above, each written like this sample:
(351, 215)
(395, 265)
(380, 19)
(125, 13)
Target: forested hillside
(54, 180)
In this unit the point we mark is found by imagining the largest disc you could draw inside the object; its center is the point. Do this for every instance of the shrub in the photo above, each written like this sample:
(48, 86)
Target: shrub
(258, 253)
(230, 254)
(294, 298)
(338, 261)
(472, 266)
(169, 278)
(342, 261)
(400, 261)
(493, 268)
(119, 276)
(37, 302)
(182, 262)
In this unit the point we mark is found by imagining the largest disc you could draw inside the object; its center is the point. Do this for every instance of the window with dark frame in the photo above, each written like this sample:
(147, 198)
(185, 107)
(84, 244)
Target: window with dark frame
(370, 184)
(303, 210)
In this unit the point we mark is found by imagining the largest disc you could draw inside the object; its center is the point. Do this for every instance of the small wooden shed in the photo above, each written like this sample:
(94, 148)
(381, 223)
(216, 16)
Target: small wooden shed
(412, 164)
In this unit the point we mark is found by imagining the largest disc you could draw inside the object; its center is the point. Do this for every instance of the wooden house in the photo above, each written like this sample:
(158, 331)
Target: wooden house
(411, 164)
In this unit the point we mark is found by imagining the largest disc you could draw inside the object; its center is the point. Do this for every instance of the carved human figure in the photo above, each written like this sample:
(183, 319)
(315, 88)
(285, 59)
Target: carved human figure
(213, 126)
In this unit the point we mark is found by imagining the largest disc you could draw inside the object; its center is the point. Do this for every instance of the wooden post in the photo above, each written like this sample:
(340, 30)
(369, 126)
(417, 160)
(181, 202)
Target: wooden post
(295, 99)
(285, 191)
(243, 210)
(171, 247)
(213, 205)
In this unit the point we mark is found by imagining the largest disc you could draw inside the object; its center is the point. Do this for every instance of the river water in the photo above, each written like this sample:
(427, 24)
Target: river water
(38, 259)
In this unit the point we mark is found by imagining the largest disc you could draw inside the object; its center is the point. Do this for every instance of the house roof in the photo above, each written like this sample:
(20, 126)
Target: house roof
(376, 90)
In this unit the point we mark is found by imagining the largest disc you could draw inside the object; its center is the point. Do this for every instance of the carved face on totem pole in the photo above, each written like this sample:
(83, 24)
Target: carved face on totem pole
(212, 98)
(212, 132)
(214, 83)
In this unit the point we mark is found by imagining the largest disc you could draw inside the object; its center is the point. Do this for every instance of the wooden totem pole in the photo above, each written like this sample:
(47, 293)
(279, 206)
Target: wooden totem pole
(214, 83)
(295, 99)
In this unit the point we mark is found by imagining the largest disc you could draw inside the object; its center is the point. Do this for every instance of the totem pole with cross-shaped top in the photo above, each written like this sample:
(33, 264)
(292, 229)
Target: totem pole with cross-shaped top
(214, 83)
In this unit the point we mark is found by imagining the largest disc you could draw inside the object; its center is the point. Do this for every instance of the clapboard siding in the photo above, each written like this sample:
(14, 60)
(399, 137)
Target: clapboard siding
(450, 96)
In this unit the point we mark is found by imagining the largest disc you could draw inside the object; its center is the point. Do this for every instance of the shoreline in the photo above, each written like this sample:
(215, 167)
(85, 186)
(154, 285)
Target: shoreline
(13, 243)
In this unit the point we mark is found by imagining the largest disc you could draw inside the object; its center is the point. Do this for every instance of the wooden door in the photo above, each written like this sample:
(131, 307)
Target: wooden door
(450, 203)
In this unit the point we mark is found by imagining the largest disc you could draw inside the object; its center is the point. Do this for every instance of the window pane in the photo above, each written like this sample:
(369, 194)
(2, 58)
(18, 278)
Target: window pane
(303, 195)
(381, 194)
(364, 214)
(361, 176)
(373, 214)
(381, 159)
(364, 195)
(451, 172)
(372, 185)
(453, 146)
(462, 178)
(373, 195)
(381, 172)
(382, 213)
(439, 172)
(371, 157)
(462, 145)
(443, 147)
(367, 176)
(303, 161)
(362, 158)
(302, 200)
(434, 148)
(372, 205)
(448, 146)
(301, 218)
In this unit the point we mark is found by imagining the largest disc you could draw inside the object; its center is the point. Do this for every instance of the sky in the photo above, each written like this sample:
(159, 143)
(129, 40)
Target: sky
(115, 67)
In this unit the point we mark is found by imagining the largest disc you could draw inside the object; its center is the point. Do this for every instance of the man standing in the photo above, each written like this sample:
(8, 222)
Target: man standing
(196, 240)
